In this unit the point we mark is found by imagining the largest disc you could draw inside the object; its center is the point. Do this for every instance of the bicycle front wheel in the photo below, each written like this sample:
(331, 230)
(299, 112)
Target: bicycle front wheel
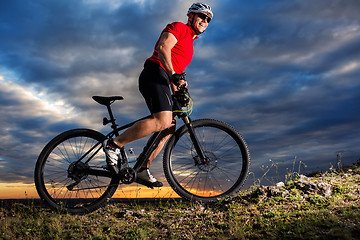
(226, 167)
(64, 183)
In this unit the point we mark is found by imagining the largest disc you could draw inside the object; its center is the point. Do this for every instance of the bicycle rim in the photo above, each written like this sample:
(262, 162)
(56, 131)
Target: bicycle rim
(55, 173)
(226, 169)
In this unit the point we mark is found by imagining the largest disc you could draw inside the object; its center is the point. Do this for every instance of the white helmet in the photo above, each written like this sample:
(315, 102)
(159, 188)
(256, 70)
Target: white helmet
(201, 8)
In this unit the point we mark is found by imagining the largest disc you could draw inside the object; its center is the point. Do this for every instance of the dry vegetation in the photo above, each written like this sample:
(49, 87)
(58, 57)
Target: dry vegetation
(294, 210)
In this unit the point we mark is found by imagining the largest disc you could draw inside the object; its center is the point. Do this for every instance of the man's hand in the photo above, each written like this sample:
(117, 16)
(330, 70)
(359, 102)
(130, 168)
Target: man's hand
(178, 79)
(182, 96)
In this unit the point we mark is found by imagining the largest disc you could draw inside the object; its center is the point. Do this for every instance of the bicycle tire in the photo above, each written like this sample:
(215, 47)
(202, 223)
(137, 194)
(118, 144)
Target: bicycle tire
(52, 173)
(223, 175)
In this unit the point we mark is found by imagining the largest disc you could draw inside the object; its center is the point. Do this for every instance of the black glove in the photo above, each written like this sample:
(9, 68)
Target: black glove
(176, 78)
(182, 97)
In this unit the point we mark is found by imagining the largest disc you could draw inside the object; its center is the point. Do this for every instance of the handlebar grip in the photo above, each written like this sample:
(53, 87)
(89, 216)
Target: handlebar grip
(176, 78)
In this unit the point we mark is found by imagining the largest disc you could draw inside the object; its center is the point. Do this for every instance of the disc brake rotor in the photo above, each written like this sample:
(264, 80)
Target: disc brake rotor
(209, 163)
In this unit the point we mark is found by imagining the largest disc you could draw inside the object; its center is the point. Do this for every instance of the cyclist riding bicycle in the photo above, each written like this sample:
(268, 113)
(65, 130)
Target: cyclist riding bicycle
(162, 74)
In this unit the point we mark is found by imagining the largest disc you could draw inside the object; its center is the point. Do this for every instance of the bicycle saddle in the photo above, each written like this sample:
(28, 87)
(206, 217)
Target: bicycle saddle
(107, 100)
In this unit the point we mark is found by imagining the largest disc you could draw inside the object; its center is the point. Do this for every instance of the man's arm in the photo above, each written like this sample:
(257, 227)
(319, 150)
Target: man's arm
(166, 43)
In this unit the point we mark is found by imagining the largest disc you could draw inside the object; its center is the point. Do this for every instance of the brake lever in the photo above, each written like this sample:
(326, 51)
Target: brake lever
(183, 88)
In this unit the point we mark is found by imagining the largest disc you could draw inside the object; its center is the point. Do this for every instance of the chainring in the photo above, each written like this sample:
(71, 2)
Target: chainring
(127, 175)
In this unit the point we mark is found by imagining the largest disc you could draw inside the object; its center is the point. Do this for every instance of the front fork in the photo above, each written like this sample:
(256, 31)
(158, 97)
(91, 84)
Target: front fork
(200, 158)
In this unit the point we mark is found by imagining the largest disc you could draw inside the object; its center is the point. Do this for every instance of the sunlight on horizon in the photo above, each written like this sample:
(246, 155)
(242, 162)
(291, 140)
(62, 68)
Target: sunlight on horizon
(17, 191)
(28, 191)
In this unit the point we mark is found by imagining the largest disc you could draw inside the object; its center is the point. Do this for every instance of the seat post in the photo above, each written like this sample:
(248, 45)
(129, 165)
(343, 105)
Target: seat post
(112, 119)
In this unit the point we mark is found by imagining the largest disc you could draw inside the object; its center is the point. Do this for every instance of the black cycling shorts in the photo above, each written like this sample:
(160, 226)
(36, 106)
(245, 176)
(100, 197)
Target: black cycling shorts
(154, 86)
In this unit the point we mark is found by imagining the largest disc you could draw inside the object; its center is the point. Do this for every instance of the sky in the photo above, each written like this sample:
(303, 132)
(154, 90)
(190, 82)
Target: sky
(284, 73)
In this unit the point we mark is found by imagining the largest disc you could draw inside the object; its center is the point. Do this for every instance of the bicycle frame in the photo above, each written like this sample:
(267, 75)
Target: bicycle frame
(148, 149)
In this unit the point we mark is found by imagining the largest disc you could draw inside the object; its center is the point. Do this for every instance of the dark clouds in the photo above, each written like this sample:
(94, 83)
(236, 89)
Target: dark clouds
(285, 73)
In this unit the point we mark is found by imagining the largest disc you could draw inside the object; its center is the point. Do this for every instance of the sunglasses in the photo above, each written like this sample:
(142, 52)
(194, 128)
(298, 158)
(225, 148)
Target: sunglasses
(204, 17)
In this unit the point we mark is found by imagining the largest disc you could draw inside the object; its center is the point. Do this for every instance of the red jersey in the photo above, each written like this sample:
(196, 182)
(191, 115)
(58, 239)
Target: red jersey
(182, 52)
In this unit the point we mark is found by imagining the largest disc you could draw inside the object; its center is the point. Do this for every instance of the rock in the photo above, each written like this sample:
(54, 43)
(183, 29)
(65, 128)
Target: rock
(324, 189)
(307, 186)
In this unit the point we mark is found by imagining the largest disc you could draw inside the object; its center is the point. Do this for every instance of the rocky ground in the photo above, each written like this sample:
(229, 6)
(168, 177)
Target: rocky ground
(323, 206)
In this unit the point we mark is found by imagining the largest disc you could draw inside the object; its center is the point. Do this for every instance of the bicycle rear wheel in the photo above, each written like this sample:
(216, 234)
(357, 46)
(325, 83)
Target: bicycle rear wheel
(226, 168)
(67, 186)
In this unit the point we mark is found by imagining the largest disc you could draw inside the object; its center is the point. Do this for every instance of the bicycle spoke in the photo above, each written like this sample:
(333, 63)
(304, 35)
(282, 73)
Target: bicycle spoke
(64, 181)
(221, 170)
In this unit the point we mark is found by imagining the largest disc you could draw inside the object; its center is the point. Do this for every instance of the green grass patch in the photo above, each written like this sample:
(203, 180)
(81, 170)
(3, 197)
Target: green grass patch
(250, 215)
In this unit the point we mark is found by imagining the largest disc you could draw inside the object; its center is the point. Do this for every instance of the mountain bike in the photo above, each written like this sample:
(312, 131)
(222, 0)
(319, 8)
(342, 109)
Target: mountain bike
(204, 160)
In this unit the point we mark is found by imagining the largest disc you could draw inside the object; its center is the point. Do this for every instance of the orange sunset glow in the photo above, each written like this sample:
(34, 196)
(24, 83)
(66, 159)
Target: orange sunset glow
(23, 191)
(17, 191)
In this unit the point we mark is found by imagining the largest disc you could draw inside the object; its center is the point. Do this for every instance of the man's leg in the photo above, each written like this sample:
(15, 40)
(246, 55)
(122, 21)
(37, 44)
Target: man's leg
(159, 121)
(144, 175)
(166, 134)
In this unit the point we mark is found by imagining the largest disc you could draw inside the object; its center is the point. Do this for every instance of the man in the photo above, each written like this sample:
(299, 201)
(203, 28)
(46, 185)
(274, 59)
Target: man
(162, 71)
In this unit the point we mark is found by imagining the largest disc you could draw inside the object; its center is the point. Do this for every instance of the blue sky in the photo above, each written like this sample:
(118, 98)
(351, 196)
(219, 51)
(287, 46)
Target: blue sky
(285, 73)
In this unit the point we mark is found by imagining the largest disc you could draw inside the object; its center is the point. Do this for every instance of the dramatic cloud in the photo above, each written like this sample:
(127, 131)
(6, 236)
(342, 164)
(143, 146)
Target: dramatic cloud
(284, 72)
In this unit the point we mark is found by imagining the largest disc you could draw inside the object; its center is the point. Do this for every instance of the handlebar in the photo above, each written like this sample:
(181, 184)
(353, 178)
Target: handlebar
(177, 77)
(181, 99)
(183, 89)
(182, 96)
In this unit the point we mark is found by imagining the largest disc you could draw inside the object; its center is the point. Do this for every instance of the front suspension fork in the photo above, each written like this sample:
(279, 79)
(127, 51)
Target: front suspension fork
(200, 158)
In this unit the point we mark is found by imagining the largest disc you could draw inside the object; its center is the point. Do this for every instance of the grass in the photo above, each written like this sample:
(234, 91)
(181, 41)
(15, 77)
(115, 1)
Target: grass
(250, 215)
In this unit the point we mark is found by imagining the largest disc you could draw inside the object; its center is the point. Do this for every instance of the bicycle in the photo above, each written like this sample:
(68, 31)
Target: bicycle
(205, 160)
